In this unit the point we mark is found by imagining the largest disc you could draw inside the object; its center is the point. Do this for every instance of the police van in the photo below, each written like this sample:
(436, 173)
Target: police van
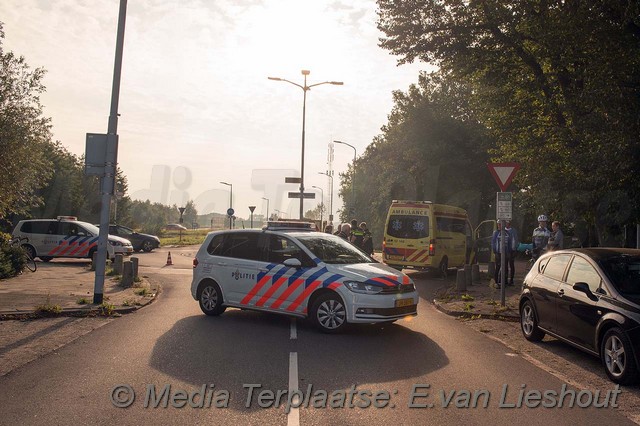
(423, 235)
(65, 236)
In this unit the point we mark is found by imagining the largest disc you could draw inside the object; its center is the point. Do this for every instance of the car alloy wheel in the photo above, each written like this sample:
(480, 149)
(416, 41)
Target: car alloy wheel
(211, 300)
(529, 323)
(147, 246)
(618, 358)
(329, 313)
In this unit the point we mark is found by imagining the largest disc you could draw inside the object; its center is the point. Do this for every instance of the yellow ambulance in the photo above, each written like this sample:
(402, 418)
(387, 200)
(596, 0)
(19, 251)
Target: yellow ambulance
(423, 235)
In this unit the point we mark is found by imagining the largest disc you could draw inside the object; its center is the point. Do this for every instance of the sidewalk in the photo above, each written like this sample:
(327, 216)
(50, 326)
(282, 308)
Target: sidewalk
(482, 300)
(67, 287)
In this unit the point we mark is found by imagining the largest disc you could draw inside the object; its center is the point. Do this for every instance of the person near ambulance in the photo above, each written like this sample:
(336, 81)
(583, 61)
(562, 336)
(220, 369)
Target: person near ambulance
(513, 242)
(497, 250)
(540, 236)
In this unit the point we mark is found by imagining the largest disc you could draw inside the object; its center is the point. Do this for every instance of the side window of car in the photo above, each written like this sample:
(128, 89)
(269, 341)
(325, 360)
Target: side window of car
(281, 249)
(216, 245)
(556, 266)
(582, 271)
(53, 228)
(242, 246)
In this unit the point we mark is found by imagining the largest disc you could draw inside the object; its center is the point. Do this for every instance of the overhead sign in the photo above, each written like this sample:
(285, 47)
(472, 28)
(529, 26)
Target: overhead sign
(504, 206)
(292, 180)
(503, 173)
(306, 195)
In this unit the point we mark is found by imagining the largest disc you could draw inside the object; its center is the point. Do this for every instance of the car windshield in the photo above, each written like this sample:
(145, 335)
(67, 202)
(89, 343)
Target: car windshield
(333, 249)
(624, 273)
(89, 227)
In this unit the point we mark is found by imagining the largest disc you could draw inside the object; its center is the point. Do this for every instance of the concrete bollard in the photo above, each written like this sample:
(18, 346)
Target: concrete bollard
(117, 266)
(127, 274)
(461, 284)
(134, 264)
(467, 275)
(475, 274)
(491, 269)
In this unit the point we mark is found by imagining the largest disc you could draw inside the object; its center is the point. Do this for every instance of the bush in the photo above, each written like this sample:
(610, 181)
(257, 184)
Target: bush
(12, 261)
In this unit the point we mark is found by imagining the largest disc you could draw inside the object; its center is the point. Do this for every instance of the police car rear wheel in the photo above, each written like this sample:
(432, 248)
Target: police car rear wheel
(211, 300)
(329, 313)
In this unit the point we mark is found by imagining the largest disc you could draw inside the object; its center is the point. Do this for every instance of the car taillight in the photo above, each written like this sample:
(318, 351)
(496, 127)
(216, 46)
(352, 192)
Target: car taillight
(195, 262)
(432, 247)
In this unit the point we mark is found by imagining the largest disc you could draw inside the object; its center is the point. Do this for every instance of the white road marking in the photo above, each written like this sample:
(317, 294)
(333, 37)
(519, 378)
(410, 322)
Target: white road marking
(294, 331)
(293, 418)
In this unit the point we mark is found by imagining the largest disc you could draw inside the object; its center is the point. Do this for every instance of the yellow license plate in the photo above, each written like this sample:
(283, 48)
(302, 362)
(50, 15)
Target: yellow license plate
(404, 302)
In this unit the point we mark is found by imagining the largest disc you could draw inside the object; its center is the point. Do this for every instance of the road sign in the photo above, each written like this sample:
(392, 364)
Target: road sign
(292, 180)
(306, 195)
(504, 206)
(503, 173)
(252, 208)
(230, 211)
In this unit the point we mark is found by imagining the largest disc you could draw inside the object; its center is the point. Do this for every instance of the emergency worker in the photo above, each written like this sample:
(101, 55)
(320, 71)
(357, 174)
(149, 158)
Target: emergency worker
(357, 235)
(540, 236)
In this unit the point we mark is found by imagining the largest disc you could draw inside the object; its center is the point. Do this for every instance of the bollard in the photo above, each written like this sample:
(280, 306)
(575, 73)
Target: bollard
(134, 264)
(117, 265)
(461, 284)
(127, 274)
(475, 274)
(491, 269)
(467, 275)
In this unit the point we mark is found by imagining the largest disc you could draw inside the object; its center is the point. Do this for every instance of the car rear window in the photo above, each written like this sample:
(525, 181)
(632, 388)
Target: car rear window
(624, 273)
(408, 226)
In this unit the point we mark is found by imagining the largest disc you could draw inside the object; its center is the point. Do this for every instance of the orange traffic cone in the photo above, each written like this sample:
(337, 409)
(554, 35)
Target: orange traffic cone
(169, 262)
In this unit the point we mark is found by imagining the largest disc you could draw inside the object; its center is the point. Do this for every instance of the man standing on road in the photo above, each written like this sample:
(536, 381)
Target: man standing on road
(512, 242)
(497, 249)
(556, 241)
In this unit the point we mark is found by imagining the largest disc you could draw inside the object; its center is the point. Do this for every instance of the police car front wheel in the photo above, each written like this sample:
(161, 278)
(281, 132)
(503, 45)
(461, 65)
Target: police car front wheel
(329, 313)
(211, 300)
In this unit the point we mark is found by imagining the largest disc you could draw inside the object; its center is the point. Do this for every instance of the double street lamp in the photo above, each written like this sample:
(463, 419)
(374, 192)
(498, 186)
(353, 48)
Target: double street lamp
(304, 88)
(331, 198)
(230, 202)
(353, 178)
(321, 206)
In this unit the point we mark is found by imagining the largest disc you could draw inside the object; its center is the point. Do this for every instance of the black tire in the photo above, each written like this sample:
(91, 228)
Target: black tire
(617, 357)
(529, 322)
(31, 252)
(93, 250)
(329, 313)
(210, 299)
(444, 267)
(147, 246)
(31, 264)
(46, 258)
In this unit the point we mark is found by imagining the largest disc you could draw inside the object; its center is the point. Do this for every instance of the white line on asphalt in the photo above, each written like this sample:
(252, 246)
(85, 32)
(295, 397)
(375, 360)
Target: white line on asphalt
(294, 331)
(293, 418)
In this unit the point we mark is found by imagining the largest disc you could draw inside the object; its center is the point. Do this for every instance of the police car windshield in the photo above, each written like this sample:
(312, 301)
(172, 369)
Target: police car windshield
(333, 249)
(91, 228)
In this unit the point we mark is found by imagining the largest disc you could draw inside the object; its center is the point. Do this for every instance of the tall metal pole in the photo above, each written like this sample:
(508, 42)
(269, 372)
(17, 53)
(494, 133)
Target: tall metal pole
(267, 207)
(331, 198)
(353, 178)
(108, 181)
(304, 113)
(321, 206)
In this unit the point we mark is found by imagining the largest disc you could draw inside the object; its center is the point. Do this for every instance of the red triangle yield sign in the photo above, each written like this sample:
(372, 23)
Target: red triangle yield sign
(503, 173)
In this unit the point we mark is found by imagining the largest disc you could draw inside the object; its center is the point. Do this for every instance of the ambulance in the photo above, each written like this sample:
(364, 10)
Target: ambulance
(426, 236)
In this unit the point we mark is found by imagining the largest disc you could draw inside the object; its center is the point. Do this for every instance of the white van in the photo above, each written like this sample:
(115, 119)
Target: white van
(65, 237)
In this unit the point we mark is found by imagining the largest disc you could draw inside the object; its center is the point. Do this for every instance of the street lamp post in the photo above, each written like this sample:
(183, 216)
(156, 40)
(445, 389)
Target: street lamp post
(230, 203)
(321, 206)
(267, 207)
(330, 198)
(353, 179)
(304, 88)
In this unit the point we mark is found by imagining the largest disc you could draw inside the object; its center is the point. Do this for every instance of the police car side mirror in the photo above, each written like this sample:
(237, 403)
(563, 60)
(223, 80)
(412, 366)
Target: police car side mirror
(292, 263)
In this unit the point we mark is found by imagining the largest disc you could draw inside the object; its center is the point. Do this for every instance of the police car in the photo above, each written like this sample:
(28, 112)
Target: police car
(292, 270)
(65, 236)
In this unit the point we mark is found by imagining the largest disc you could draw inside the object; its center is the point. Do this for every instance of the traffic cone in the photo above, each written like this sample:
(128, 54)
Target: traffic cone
(169, 262)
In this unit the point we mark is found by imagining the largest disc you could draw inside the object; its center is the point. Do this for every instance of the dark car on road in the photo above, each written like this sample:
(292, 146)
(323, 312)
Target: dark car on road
(139, 241)
(589, 298)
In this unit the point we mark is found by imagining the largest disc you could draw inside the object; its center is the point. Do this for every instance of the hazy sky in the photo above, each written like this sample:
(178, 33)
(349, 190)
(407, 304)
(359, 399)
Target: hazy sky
(196, 107)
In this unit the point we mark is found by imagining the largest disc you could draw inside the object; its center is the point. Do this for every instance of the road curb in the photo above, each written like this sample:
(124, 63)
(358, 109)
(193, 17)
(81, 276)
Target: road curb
(483, 315)
(89, 311)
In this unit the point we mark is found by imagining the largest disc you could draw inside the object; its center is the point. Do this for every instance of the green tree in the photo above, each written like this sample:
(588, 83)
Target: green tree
(24, 134)
(555, 82)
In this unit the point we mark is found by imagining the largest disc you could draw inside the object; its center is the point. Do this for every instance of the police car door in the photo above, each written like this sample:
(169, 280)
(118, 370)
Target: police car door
(239, 268)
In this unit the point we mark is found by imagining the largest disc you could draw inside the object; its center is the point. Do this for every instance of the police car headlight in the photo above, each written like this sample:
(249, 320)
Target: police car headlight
(115, 243)
(360, 287)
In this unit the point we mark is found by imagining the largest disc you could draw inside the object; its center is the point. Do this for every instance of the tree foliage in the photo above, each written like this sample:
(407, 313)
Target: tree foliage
(556, 83)
(24, 134)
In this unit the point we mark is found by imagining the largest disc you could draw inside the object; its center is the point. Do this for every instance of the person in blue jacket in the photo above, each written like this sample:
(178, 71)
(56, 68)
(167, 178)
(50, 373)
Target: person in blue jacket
(495, 246)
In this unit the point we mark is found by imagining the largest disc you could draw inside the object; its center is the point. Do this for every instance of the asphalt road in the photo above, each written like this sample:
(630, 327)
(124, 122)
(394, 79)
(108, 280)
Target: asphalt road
(172, 343)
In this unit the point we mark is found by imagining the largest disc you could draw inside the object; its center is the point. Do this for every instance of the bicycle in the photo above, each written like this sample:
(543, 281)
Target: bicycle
(30, 264)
